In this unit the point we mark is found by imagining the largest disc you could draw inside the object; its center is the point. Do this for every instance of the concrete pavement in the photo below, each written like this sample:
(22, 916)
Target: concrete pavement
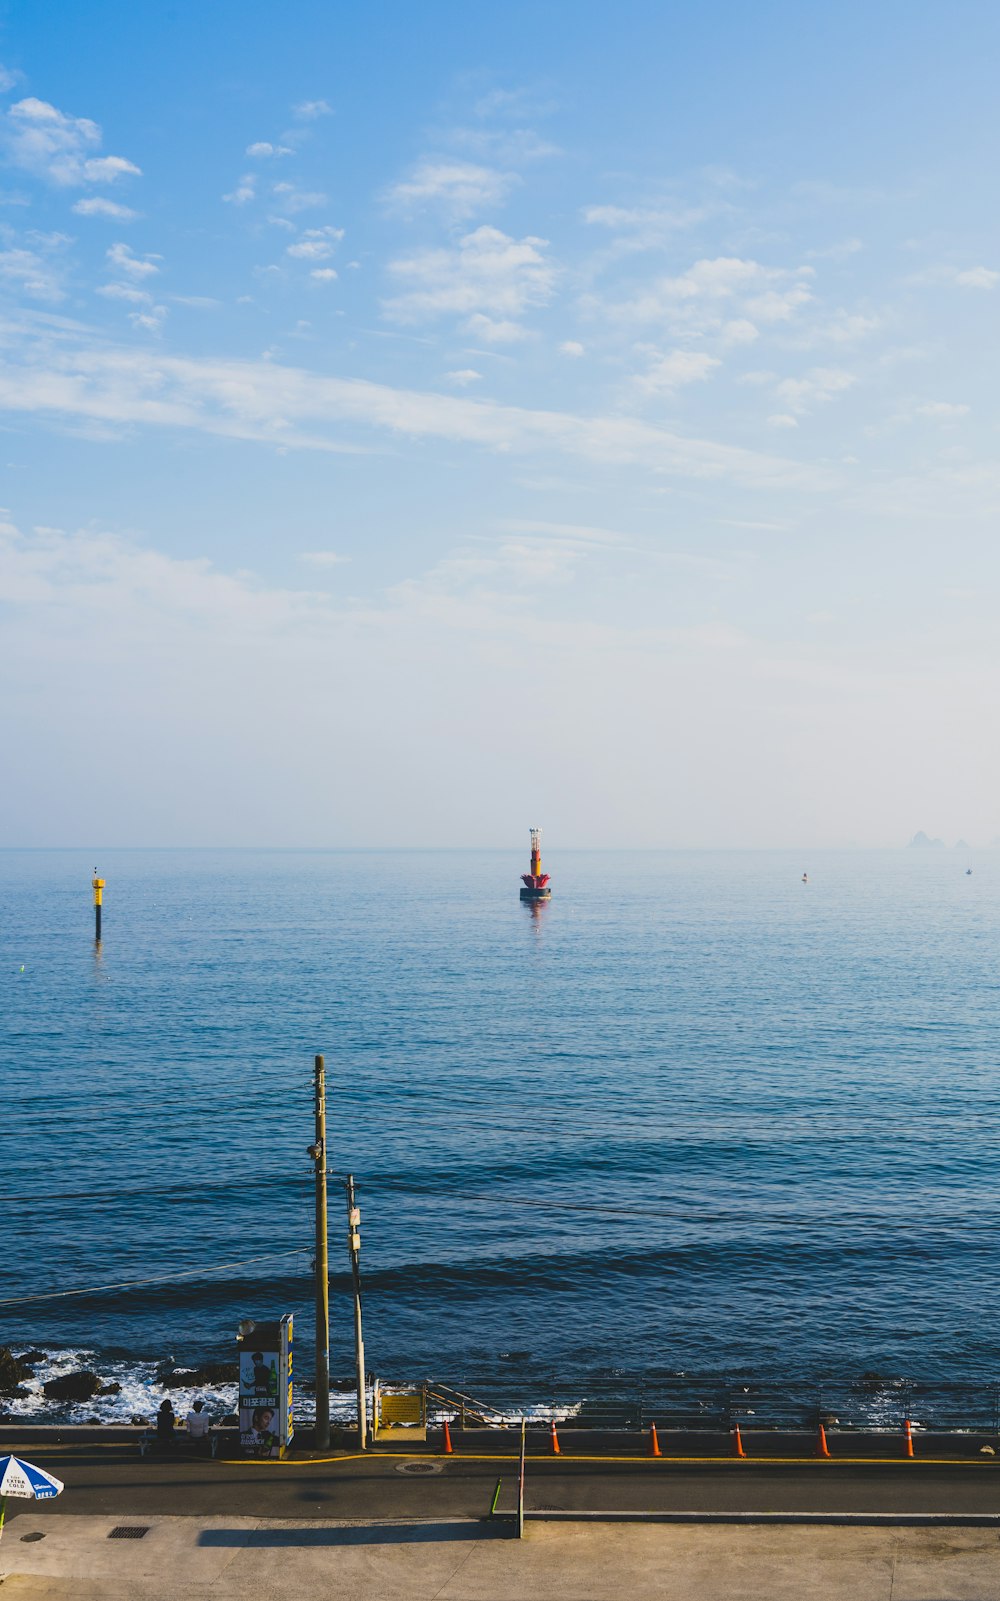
(238, 1558)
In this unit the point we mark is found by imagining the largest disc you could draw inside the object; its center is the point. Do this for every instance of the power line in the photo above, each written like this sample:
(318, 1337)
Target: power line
(191, 1188)
(164, 1278)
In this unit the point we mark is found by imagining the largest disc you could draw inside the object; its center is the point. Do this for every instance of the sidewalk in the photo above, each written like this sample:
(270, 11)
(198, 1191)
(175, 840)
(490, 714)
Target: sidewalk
(258, 1559)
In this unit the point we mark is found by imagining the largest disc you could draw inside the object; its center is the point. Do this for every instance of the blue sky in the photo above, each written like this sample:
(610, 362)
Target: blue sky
(422, 421)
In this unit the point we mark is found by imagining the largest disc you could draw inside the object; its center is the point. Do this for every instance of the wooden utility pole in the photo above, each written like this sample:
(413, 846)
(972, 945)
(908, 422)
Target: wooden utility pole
(318, 1152)
(354, 1246)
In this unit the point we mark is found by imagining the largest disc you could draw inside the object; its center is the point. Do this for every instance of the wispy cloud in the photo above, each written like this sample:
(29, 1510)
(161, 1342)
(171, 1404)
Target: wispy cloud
(488, 279)
(638, 228)
(323, 558)
(459, 188)
(263, 149)
(943, 410)
(815, 388)
(766, 294)
(315, 244)
(267, 401)
(311, 110)
(666, 373)
(293, 199)
(960, 277)
(98, 206)
(123, 259)
(42, 140)
(34, 265)
(244, 191)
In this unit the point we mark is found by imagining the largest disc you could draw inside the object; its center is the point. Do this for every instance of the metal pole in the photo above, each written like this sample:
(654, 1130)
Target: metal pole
(354, 1245)
(318, 1151)
(98, 887)
(520, 1482)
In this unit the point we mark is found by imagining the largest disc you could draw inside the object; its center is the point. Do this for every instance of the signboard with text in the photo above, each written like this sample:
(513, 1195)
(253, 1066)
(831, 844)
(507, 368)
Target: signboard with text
(265, 1358)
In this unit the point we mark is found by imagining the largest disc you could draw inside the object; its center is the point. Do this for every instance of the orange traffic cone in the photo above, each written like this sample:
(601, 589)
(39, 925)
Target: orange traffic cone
(737, 1442)
(654, 1444)
(555, 1440)
(822, 1449)
(448, 1449)
(909, 1436)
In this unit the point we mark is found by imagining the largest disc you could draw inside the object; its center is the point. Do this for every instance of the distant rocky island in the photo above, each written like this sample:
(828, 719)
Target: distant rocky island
(923, 842)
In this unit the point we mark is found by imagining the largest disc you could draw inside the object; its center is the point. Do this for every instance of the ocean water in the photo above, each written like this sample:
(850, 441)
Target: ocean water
(692, 1122)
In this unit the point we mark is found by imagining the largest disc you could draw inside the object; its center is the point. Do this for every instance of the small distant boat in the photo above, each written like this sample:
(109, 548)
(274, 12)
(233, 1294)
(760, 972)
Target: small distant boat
(968, 872)
(805, 878)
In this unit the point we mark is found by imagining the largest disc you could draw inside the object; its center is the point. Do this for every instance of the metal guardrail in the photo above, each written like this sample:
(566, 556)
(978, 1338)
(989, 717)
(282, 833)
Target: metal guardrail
(871, 1402)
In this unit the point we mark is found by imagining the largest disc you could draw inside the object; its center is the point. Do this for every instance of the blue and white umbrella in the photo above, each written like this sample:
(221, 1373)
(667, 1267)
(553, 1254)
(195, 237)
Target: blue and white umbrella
(24, 1479)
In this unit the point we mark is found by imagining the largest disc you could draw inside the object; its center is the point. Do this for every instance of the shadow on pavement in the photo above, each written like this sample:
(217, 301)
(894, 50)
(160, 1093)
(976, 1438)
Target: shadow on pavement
(355, 1534)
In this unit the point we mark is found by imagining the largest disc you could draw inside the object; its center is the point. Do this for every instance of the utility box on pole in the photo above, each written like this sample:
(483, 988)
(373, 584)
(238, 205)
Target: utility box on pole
(266, 1401)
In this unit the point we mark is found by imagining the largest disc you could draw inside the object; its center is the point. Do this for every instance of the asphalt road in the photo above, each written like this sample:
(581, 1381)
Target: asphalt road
(111, 1479)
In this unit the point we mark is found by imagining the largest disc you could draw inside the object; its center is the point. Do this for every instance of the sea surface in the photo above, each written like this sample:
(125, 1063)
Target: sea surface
(694, 1124)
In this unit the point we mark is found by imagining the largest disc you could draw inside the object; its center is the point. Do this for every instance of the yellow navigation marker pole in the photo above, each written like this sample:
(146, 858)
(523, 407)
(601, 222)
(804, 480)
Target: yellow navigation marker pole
(98, 895)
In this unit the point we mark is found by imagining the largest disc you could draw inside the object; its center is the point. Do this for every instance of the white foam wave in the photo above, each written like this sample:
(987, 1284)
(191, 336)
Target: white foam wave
(140, 1394)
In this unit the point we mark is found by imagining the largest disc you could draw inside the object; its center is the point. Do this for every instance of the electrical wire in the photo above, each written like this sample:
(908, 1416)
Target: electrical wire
(164, 1278)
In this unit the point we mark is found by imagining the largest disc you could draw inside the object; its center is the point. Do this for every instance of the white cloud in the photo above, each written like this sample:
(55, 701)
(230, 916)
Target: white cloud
(638, 228)
(97, 206)
(815, 388)
(33, 271)
(458, 187)
(944, 409)
(47, 142)
(263, 149)
(309, 110)
(488, 278)
(464, 377)
(245, 191)
(842, 328)
(496, 330)
(324, 275)
(116, 291)
(978, 278)
(778, 305)
(151, 321)
(271, 402)
(666, 373)
(739, 331)
(8, 77)
(315, 244)
(964, 278)
(123, 259)
(781, 419)
(294, 199)
(696, 297)
(837, 252)
(571, 347)
(323, 558)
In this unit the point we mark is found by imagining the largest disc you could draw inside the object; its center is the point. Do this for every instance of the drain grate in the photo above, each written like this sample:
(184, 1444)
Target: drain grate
(128, 1531)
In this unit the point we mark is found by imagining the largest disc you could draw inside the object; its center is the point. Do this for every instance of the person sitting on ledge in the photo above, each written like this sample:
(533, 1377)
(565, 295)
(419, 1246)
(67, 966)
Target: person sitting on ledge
(165, 1425)
(198, 1425)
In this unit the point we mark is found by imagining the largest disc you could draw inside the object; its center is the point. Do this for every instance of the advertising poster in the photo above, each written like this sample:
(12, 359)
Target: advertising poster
(265, 1360)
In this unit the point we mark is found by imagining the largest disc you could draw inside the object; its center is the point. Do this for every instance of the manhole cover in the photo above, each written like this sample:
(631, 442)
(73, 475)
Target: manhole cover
(35, 1534)
(418, 1467)
(128, 1531)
